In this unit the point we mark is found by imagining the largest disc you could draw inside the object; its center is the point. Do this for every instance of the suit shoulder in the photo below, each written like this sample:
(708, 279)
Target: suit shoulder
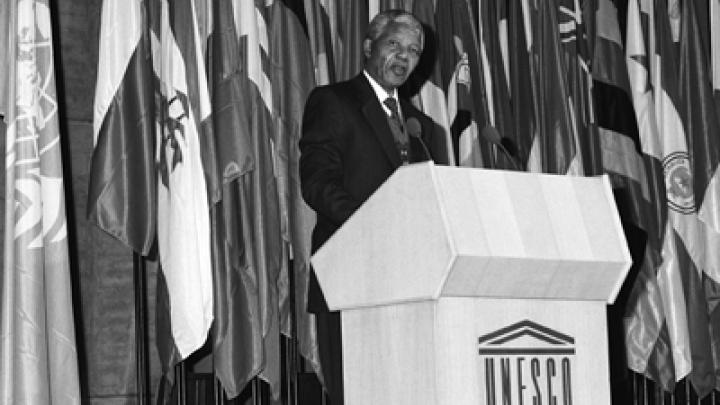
(340, 90)
(353, 91)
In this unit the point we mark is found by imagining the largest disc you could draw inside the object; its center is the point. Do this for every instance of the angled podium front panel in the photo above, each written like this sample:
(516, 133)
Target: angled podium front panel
(433, 231)
(393, 249)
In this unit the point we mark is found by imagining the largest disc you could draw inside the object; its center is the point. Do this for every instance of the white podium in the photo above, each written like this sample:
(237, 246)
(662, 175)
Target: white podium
(470, 286)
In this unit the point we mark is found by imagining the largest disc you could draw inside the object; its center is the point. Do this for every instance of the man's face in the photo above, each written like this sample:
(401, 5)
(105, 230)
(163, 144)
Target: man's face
(393, 56)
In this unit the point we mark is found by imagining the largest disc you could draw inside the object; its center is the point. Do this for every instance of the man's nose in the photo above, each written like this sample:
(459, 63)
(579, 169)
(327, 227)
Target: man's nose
(403, 54)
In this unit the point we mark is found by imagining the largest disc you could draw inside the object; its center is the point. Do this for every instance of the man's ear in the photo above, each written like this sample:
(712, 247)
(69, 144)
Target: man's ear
(367, 47)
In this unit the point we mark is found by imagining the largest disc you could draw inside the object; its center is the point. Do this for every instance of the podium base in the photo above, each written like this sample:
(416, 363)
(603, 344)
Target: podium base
(458, 350)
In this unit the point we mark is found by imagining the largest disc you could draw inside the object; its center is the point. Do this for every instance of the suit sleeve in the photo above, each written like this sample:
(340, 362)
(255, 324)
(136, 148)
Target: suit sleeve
(323, 146)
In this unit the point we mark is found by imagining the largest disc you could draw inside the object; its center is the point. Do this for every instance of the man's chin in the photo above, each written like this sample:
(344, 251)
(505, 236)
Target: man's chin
(395, 81)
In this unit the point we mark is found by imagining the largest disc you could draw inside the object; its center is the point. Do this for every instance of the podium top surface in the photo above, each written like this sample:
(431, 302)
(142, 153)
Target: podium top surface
(431, 231)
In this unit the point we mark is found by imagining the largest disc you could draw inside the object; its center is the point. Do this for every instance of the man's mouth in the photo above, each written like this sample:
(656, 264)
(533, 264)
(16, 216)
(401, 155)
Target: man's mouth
(398, 70)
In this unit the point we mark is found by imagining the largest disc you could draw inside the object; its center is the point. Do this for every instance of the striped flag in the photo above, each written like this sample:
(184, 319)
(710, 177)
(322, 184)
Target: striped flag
(38, 355)
(183, 211)
(122, 195)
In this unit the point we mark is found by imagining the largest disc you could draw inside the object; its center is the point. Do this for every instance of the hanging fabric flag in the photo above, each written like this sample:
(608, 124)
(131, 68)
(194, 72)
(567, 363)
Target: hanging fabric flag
(292, 81)
(495, 70)
(636, 175)
(428, 78)
(38, 355)
(555, 145)
(319, 26)
(5, 39)
(229, 156)
(247, 339)
(122, 195)
(715, 49)
(677, 276)
(578, 61)
(699, 229)
(523, 91)
(713, 295)
(460, 67)
(183, 210)
(349, 21)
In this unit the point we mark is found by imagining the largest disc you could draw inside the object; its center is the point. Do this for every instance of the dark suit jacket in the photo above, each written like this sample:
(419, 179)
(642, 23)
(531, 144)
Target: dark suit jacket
(347, 152)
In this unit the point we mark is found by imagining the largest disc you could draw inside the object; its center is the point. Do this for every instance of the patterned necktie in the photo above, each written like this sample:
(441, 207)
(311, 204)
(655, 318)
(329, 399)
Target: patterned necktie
(401, 138)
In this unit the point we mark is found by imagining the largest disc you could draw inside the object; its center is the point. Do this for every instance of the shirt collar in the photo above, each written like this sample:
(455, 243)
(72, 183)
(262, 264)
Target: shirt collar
(381, 93)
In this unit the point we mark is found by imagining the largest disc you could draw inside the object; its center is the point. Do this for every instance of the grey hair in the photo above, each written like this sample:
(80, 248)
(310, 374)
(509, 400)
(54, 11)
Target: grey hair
(380, 22)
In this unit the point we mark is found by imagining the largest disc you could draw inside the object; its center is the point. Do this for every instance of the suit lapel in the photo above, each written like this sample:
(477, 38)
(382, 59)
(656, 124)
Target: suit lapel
(377, 119)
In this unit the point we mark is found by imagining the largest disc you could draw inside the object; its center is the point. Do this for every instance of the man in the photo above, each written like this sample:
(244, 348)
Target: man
(353, 140)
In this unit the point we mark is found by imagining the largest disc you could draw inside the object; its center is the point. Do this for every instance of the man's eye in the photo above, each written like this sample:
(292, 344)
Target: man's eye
(414, 51)
(393, 43)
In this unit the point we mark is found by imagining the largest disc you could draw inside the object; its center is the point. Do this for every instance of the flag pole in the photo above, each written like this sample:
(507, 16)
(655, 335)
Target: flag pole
(292, 343)
(141, 352)
(139, 274)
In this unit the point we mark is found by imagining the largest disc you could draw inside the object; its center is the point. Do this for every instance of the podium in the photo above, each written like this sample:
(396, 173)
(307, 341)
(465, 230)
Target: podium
(471, 286)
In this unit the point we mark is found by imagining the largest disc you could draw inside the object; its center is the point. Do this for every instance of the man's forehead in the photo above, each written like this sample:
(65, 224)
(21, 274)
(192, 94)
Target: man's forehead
(402, 28)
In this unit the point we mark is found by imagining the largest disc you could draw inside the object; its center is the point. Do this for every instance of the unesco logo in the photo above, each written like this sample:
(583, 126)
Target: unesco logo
(526, 363)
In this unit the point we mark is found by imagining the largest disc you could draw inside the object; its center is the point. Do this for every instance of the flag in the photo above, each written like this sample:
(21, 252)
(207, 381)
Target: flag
(5, 44)
(247, 339)
(715, 49)
(578, 60)
(495, 70)
(183, 226)
(336, 30)
(228, 156)
(427, 84)
(292, 81)
(621, 87)
(555, 145)
(348, 33)
(713, 295)
(700, 230)
(388, 4)
(122, 195)
(646, 335)
(320, 36)
(679, 101)
(38, 355)
(662, 343)
(460, 70)
(521, 78)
